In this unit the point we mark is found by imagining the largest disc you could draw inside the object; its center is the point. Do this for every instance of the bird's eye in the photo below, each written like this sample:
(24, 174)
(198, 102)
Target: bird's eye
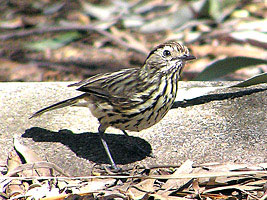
(166, 53)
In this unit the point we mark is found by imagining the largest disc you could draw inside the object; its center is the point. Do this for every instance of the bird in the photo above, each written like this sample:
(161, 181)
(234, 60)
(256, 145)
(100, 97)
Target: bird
(132, 99)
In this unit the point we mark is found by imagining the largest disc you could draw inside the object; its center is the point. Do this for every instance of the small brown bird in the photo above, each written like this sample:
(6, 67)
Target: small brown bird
(132, 99)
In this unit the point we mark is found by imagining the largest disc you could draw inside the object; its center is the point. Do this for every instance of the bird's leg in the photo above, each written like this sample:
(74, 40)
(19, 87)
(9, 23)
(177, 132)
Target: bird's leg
(136, 146)
(101, 132)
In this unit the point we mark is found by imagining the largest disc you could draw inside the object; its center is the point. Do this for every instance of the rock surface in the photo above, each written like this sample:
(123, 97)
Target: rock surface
(225, 125)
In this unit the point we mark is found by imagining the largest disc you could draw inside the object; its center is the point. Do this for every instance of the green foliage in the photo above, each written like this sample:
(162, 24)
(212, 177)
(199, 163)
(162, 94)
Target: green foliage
(54, 43)
(261, 78)
(225, 66)
(217, 9)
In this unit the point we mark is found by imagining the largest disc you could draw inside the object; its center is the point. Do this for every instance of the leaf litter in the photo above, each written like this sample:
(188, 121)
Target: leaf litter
(29, 177)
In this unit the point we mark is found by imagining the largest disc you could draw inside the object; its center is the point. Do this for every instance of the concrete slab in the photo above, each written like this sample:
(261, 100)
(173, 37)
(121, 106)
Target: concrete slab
(225, 125)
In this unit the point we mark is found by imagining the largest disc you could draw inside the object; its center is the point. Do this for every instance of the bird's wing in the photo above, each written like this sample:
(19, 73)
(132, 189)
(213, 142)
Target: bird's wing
(114, 86)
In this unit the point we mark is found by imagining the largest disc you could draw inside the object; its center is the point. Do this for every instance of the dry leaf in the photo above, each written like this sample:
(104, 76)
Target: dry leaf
(30, 157)
(140, 190)
(171, 184)
(13, 161)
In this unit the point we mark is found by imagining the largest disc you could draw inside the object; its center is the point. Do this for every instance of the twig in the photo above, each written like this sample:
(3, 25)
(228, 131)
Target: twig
(127, 168)
(178, 176)
(24, 33)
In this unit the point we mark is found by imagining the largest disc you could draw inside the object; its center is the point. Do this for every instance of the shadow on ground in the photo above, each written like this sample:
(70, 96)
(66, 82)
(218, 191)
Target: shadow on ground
(215, 97)
(88, 145)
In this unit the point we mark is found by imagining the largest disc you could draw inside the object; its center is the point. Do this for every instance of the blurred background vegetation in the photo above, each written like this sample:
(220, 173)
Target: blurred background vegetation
(63, 40)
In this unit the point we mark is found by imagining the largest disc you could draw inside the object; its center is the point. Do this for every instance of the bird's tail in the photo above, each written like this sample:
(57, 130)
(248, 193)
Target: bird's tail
(61, 104)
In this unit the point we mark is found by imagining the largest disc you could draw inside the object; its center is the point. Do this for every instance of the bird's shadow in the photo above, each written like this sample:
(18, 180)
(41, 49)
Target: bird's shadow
(88, 145)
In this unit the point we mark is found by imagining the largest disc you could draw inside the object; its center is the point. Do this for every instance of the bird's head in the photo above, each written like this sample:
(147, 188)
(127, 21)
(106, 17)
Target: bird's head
(168, 56)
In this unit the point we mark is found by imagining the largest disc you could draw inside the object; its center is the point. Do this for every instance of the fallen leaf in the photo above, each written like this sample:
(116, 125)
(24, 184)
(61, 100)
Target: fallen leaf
(30, 157)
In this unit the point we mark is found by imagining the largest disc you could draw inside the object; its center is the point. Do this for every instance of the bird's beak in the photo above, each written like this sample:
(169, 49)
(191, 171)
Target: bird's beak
(188, 57)
(185, 57)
